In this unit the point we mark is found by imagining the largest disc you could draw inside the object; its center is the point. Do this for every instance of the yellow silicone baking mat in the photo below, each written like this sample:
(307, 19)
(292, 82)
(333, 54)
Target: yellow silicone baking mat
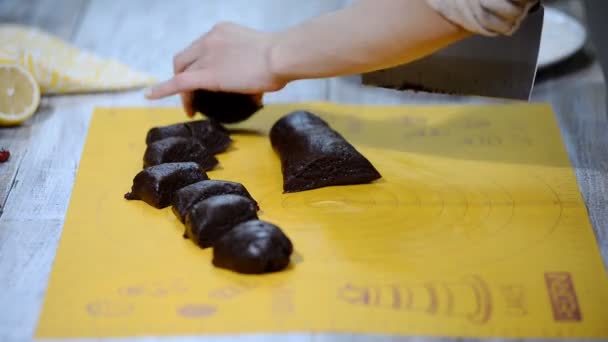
(477, 228)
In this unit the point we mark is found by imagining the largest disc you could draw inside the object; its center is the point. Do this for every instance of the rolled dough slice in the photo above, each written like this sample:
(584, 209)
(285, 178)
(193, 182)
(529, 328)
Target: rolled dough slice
(223, 106)
(178, 149)
(208, 220)
(155, 185)
(186, 197)
(212, 135)
(253, 247)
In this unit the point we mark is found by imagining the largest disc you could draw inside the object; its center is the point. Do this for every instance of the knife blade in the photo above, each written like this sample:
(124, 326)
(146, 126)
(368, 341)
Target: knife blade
(503, 67)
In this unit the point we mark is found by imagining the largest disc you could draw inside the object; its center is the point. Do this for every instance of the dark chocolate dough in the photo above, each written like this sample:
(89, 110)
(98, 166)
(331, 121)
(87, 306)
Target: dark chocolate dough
(155, 185)
(178, 149)
(186, 197)
(224, 107)
(208, 220)
(211, 134)
(253, 247)
(313, 155)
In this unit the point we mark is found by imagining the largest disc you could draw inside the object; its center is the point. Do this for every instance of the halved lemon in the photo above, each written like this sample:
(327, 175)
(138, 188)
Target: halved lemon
(19, 94)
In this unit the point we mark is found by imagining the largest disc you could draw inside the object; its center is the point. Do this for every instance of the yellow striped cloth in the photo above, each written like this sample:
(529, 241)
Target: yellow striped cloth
(61, 68)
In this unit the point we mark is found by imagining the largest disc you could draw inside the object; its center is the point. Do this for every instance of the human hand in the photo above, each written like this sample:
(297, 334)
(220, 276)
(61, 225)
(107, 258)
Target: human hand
(229, 58)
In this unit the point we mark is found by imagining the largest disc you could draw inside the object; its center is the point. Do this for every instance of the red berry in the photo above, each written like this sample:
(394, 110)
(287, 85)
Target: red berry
(4, 155)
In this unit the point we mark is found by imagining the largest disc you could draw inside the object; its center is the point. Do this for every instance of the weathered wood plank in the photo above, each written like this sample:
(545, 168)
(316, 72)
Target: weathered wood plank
(27, 251)
(33, 216)
(58, 19)
(14, 140)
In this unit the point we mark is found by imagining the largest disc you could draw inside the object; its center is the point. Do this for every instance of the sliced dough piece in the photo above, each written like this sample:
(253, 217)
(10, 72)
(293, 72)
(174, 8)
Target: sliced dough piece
(178, 149)
(208, 220)
(186, 197)
(253, 247)
(225, 107)
(212, 135)
(155, 185)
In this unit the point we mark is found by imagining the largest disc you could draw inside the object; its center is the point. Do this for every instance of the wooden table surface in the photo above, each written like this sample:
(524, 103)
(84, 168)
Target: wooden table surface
(36, 184)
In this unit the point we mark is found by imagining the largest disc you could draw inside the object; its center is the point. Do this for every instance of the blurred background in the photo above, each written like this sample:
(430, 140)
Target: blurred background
(126, 31)
(591, 14)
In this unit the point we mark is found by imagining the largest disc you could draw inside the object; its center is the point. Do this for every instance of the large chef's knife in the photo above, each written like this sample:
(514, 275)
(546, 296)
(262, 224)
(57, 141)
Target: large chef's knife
(503, 67)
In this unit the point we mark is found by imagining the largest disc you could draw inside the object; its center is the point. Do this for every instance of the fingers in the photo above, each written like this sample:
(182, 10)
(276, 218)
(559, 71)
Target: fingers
(187, 103)
(258, 98)
(183, 60)
(187, 96)
(507, 10)
(180, 83)
(186, 57)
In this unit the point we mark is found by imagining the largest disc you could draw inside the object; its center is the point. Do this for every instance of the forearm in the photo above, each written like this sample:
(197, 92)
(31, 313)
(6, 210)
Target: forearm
(369, 35)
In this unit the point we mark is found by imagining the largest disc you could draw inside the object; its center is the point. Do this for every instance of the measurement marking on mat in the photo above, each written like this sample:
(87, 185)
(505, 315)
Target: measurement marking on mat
(562, 295)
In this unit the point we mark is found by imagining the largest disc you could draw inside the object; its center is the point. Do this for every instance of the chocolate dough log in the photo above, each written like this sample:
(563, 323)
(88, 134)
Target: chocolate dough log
(186, 197)
(209, 133)
(224, 107)
(208, 220)
(253, 247)
(178, 149)
(155, 185)
(313, 155)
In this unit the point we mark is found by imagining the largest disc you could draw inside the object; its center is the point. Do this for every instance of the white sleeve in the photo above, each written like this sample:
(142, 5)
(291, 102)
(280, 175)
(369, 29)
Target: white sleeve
(485, 17)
